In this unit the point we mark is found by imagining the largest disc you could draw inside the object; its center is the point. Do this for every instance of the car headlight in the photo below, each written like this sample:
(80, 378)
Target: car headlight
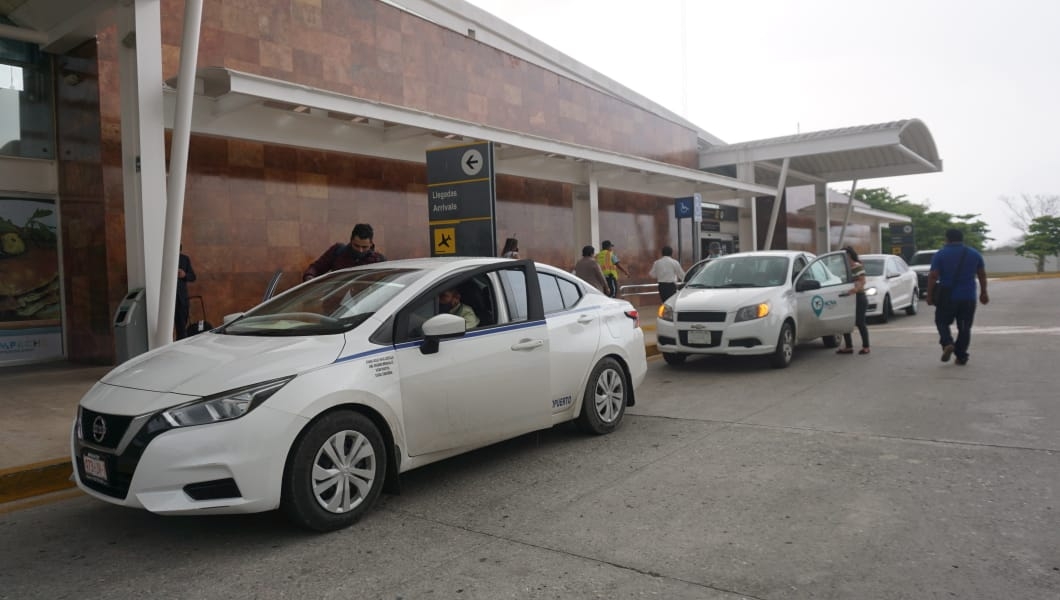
(755, 311)
(224, 406)
(870, 291)
(666, 312)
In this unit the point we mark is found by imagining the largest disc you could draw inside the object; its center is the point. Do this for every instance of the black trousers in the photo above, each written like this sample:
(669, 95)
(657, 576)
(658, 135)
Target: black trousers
(612, 286)
(861, 306)
(961, 311)
(666, 290)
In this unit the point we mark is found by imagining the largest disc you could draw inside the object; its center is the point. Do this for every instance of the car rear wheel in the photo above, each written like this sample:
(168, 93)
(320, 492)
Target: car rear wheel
(335, 472)
(674, 358)
(831, 341)
(606, 395)
(914, 303)
(782, 356)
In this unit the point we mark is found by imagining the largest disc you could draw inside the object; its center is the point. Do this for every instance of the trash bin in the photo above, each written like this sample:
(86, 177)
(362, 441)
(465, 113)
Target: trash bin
(130, 326)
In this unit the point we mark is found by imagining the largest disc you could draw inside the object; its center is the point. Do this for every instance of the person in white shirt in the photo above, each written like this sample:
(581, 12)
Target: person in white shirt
(668, 273)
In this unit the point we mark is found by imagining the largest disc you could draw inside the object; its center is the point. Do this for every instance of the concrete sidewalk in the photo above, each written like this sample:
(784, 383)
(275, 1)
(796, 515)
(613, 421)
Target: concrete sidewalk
(39, 403)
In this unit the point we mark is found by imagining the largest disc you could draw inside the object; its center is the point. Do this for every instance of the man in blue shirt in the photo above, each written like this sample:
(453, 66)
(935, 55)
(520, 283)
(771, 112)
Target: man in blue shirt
(955, 268)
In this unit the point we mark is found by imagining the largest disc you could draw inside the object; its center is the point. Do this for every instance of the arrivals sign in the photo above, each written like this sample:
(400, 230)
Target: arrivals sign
(461, 200)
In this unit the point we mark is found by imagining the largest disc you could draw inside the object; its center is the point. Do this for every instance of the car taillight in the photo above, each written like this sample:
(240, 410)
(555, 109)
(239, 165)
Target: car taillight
(632, 314)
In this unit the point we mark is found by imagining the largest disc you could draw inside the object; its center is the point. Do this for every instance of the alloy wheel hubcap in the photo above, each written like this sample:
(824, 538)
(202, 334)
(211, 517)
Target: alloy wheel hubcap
(609, 393)
(343, 471)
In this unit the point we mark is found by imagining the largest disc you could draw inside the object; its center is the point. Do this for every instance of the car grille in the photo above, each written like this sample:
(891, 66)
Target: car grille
(701, 316)
(120, 467)
(102, 429)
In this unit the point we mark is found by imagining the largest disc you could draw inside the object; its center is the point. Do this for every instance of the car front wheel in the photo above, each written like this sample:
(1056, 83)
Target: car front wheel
(606, 395)
(781, 357)
(335, 472)
(832, 341)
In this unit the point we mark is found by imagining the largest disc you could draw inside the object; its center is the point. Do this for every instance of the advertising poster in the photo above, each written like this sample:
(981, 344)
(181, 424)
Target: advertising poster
(30, 297)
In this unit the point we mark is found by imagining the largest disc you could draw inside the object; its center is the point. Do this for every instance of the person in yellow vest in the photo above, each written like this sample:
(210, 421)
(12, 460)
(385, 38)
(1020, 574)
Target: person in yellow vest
(610, 265)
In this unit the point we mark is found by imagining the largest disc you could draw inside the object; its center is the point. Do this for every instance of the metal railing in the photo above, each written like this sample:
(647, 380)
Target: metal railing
(639, 289)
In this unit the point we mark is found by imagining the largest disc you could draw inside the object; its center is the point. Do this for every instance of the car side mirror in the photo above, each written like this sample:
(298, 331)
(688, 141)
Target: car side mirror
(805, 285)
(440, 327)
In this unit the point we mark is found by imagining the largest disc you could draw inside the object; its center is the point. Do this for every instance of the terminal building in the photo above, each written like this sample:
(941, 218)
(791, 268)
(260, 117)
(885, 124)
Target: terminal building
(255, 134)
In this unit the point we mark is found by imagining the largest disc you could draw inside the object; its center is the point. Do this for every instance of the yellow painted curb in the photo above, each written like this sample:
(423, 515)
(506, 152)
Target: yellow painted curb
(26, 481)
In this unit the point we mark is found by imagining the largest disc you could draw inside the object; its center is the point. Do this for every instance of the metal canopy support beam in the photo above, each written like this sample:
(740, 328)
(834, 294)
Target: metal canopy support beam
(781, 184)
(178, 171)
(850, 208)
(143, 150)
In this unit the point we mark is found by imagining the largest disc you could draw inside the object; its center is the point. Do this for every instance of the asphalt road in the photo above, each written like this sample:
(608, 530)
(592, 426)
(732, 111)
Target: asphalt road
(884, 476)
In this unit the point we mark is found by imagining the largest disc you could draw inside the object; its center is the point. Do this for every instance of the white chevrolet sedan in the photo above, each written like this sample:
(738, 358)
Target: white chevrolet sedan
(315, 400)
(758, 303)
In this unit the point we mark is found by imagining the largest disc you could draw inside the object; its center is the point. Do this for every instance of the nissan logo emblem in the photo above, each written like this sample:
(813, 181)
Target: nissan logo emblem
(99, 429)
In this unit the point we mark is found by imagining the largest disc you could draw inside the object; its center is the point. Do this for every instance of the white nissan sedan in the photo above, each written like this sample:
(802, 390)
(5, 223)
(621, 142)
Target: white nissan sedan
(758, 303)
(315, 400)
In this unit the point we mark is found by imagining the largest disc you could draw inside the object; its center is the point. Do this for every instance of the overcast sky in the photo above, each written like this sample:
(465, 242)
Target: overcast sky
(983, 75)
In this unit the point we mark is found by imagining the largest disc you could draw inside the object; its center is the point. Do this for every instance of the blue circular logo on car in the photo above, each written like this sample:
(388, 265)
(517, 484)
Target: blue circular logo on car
(817, 304)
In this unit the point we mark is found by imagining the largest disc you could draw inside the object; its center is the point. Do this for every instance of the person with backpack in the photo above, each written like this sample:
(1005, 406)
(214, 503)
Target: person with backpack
(360, 251)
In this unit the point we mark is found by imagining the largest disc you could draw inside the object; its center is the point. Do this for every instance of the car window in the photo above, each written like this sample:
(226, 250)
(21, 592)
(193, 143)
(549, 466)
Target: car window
(737, 271)
(513, 281)
(923, 258)
(800, 264)
(570, 291)
(551, 297)
(873, 267)
(476, 292)
(829, 270)
(329, 304)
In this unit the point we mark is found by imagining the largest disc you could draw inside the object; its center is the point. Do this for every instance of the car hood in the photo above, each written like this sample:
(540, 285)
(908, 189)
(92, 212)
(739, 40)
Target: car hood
(723, 299)
(210, 363)
(920, 268)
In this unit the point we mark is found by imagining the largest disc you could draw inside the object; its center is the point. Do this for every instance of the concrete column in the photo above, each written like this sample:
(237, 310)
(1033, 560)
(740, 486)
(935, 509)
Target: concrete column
(823, 218)
(143, 149)
(586, 204)
(749, 223)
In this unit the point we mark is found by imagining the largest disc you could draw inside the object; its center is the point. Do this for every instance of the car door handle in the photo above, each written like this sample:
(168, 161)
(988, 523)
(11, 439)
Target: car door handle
(528, 344)
(586, 319)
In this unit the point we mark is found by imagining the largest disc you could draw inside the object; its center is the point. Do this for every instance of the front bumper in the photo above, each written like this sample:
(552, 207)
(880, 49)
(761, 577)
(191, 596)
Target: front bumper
(231, 467)
(746, 338)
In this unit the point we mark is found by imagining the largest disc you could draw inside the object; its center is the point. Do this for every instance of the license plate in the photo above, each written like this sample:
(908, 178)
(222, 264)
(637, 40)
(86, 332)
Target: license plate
(95, 467)
(698, 336)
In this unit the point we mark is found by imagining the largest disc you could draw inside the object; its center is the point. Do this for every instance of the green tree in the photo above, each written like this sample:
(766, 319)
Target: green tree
(1042, 240)
(929, 226)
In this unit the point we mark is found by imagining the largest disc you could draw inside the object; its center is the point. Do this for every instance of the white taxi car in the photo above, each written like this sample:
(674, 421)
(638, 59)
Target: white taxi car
(758, 303)
(316, 399)
(890, 285)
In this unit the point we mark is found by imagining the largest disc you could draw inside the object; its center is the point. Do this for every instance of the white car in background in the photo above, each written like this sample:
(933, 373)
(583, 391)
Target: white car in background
(758, 303)
(315, 400)
(890, 285)
(920, 264)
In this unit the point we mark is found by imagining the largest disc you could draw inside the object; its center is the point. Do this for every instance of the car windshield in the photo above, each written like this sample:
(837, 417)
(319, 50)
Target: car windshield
(741, 272)
(873, 267)
(329, 304)
(922, 258)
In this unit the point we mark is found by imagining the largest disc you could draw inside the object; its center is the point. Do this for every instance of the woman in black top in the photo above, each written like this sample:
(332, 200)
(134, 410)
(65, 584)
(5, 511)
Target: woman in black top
(860, 306)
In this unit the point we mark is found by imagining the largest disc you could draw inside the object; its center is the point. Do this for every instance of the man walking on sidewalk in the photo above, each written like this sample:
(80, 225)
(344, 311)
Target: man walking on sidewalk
(951, 290)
